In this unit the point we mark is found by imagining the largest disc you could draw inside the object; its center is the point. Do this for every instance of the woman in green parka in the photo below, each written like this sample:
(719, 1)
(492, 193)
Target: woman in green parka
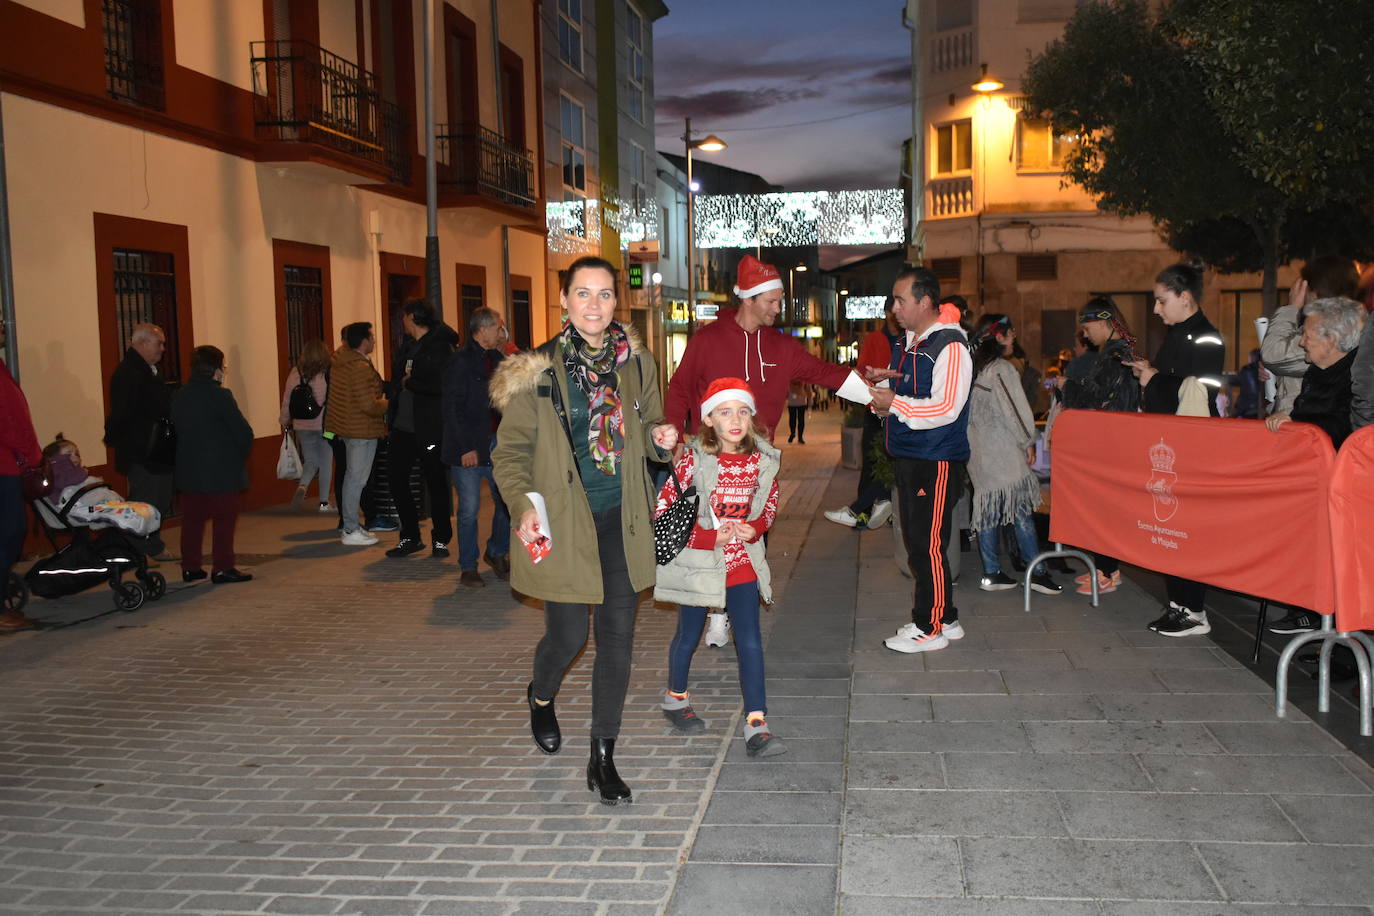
(579, 415)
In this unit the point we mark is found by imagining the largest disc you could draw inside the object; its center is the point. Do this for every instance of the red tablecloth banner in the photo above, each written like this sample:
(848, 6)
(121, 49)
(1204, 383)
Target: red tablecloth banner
(1352, 531)
(1225, 502)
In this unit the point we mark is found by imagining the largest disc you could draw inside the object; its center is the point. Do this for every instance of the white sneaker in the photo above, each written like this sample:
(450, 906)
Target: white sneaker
(952, 631)
(910, 639)
(327, 507)
(717, 630)
(882, 511)
(359, 538)
(843, 517)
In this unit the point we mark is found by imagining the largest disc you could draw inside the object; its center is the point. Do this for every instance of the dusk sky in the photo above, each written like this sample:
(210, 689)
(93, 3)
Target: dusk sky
(735, 65)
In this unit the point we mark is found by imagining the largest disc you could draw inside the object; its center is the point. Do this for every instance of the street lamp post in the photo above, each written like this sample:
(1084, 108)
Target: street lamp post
(711, 144)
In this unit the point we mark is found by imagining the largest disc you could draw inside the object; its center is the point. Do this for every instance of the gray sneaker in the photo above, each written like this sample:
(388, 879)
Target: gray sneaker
(765, 744)
(684, 720)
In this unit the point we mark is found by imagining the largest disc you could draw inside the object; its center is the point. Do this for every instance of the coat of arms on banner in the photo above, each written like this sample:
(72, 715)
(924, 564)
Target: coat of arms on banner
(1162, 480)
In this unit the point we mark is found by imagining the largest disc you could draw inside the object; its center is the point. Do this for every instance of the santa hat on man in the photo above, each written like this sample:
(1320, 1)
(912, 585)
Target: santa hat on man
(756, 277)
(726, 389)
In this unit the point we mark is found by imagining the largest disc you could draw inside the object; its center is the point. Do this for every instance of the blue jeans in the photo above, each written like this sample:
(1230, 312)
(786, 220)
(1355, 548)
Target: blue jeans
(742, 604)
(468, 482)
(990, 539)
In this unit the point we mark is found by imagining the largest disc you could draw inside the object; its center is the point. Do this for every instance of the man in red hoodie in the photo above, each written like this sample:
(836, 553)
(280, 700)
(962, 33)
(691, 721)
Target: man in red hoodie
(743, 343)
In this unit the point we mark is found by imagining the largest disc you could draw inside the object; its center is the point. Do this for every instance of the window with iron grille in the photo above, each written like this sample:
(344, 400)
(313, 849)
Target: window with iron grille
(304, 308)
(946, 270)
(470, 296)
(634, 62)
(133, 50)
(145, 284)
(570, 33)
(520, 318)
(1037, 267)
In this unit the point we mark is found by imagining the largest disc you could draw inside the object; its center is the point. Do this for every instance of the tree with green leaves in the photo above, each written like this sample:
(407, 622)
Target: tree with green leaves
(1239, 126)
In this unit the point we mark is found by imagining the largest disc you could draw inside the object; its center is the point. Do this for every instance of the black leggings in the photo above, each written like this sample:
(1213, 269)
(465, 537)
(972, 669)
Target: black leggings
(565, 633)
(796, 422)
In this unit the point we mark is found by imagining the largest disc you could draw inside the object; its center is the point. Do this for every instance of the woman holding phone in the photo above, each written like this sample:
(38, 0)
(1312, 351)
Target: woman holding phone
(579, 415)
(1192, 348)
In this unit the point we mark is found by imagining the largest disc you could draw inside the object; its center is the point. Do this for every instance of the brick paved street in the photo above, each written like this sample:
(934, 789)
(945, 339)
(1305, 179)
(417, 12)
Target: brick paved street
(346, 735)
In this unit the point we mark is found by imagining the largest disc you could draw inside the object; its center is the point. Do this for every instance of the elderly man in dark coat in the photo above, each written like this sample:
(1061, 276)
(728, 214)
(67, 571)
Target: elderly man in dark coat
(139, 399)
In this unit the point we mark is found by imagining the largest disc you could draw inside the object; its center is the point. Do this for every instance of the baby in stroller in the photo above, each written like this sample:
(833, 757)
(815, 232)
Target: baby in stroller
(110, 535)
(96, 504)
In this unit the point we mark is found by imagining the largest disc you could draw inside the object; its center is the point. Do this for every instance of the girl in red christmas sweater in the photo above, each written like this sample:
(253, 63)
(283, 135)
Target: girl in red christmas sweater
(734, 469)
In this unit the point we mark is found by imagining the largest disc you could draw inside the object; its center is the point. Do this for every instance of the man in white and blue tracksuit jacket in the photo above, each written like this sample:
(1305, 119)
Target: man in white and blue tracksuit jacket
(926, 433)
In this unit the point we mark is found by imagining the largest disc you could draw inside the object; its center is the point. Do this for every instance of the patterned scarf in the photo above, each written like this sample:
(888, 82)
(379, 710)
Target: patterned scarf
(593, 371)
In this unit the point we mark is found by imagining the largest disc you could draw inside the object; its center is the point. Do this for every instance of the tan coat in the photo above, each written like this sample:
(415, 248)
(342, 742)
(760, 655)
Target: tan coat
(356, 407)
(533, 454)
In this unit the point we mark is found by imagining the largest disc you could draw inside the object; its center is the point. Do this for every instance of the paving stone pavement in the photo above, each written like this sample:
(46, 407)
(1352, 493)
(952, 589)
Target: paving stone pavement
(346, 735)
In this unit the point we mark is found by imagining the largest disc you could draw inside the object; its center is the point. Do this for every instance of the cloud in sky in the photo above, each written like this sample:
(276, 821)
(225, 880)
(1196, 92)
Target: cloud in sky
(729, 103)
(742, 69)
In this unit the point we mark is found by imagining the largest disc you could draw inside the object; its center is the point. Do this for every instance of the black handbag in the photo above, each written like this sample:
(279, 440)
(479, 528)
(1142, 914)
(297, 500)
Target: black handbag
(674, 527)
(162, 444)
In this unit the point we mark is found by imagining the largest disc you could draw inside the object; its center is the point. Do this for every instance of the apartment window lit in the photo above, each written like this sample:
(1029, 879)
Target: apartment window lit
(954, 148)
(570, 33)
(634, 31)
(145, 284)
(572, 121)
(1038, 147)
(639, 195)
(132, 31)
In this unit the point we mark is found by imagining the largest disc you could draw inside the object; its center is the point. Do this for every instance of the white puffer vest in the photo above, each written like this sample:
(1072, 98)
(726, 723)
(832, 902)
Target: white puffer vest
(697, 577)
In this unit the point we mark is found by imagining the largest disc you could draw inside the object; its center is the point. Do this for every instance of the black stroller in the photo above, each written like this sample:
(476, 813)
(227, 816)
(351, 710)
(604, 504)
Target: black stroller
(92, 555)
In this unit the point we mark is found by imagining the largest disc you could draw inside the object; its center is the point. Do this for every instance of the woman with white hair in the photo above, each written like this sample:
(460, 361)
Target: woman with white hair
(1330, 341)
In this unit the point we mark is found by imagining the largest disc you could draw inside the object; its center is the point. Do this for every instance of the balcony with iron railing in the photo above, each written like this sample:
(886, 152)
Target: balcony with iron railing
(318, 105)
(472, 160)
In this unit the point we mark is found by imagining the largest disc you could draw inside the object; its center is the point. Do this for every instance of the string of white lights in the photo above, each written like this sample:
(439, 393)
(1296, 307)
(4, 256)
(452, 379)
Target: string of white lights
(784, 220)
(857, 308)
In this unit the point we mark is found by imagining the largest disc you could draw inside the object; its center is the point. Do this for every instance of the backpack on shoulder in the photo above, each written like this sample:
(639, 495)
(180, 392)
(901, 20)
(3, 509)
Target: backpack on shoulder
(302, 404)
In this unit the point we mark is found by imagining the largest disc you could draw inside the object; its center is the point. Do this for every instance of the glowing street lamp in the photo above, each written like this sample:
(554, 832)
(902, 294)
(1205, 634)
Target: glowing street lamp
(987, 84)
(711, 144)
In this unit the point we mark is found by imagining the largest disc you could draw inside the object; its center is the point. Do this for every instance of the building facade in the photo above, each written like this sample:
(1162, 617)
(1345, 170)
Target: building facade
(599, 163)
(251, 175)
(999, 225)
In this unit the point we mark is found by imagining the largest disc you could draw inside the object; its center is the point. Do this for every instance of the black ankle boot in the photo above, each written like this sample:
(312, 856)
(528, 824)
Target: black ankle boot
(601, 774)
(543, 723)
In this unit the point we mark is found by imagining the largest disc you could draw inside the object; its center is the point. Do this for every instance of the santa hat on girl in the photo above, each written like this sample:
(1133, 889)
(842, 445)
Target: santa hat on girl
(726, 389)
(756, 277)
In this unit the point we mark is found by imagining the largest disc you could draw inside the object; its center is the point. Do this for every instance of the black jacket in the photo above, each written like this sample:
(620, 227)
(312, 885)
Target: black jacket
(1191, 347)
(137, 401)
(1325, 398)
(213, 438)
(467, 403)
(1107, 384)
(427, 357)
